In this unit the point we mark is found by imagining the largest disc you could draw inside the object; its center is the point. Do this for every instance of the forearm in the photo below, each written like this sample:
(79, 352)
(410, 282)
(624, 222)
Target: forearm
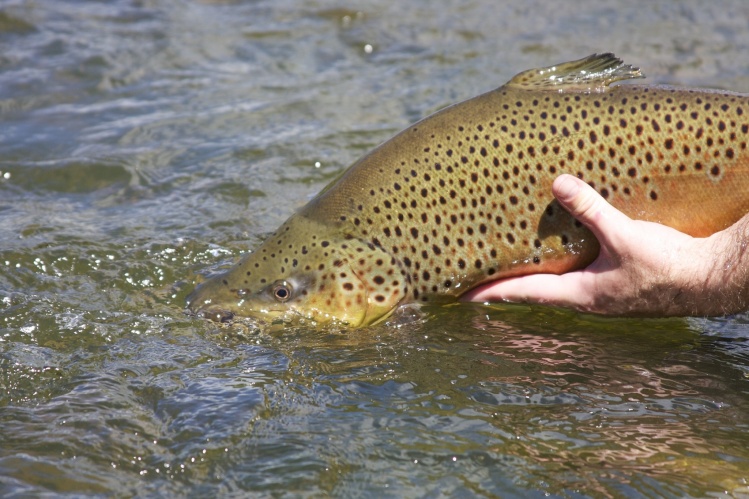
(727, 283)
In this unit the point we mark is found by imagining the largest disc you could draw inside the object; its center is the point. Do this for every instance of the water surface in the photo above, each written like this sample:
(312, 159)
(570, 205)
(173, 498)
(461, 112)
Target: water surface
(146, 144)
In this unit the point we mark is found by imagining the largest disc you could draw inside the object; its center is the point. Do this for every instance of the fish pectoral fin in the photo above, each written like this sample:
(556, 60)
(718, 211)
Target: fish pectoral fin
(590, 74)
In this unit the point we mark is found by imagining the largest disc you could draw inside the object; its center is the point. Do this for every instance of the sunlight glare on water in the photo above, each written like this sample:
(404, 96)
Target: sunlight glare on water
(146, 145)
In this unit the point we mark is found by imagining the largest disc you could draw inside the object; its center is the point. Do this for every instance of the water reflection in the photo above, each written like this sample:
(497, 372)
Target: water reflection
(519, 392)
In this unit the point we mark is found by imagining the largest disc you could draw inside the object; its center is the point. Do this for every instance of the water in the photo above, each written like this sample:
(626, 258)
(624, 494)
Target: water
(147, 143)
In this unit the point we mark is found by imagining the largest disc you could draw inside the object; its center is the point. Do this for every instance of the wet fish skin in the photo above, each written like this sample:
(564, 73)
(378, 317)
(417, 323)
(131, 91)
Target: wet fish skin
(463, 197)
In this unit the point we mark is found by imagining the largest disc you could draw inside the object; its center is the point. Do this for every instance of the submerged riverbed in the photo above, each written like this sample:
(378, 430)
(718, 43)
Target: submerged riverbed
(146, 144)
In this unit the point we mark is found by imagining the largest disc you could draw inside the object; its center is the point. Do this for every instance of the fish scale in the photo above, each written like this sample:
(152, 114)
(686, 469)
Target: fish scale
(463, 197)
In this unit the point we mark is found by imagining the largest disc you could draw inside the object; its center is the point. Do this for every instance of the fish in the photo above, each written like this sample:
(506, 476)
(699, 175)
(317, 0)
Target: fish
(463, 197)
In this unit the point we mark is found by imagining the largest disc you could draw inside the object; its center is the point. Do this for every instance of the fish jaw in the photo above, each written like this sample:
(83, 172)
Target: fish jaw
(218, 300)
(306, 269)
(211, 301)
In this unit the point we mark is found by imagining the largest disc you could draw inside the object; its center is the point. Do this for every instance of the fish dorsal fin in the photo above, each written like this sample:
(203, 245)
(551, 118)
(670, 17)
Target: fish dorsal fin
(590, 74)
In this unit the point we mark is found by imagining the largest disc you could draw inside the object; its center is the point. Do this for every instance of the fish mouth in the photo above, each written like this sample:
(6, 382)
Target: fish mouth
(198, 307)
(213, 314)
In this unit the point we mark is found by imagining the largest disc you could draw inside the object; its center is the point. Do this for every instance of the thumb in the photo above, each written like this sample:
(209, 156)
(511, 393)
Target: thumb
(587, 206)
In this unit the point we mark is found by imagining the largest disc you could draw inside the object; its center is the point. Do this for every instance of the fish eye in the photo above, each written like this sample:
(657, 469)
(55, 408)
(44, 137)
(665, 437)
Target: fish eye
(282, 291)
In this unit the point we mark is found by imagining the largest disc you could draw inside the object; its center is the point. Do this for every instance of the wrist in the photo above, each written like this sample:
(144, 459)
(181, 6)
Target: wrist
(726, 282)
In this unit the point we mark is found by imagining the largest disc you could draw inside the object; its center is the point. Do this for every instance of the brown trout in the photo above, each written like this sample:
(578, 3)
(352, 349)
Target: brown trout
(463, 197)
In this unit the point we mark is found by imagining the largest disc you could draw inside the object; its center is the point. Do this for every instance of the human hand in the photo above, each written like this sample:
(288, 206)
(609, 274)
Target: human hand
(643, 268)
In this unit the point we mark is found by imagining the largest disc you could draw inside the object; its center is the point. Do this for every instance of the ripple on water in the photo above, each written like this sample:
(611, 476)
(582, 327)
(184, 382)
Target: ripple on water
(70, 177)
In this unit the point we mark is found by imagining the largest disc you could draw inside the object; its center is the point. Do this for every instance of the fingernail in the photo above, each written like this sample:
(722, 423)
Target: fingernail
(566, 188)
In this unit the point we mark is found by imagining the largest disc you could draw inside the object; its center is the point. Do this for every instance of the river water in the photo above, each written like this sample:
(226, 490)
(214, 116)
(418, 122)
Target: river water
(144, 144)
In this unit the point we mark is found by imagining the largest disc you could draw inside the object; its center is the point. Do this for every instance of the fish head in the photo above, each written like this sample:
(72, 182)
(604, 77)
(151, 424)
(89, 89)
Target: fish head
(306, 269)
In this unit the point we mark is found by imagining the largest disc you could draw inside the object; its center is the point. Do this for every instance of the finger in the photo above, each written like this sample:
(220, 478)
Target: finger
(587, 206)
(567, 290)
